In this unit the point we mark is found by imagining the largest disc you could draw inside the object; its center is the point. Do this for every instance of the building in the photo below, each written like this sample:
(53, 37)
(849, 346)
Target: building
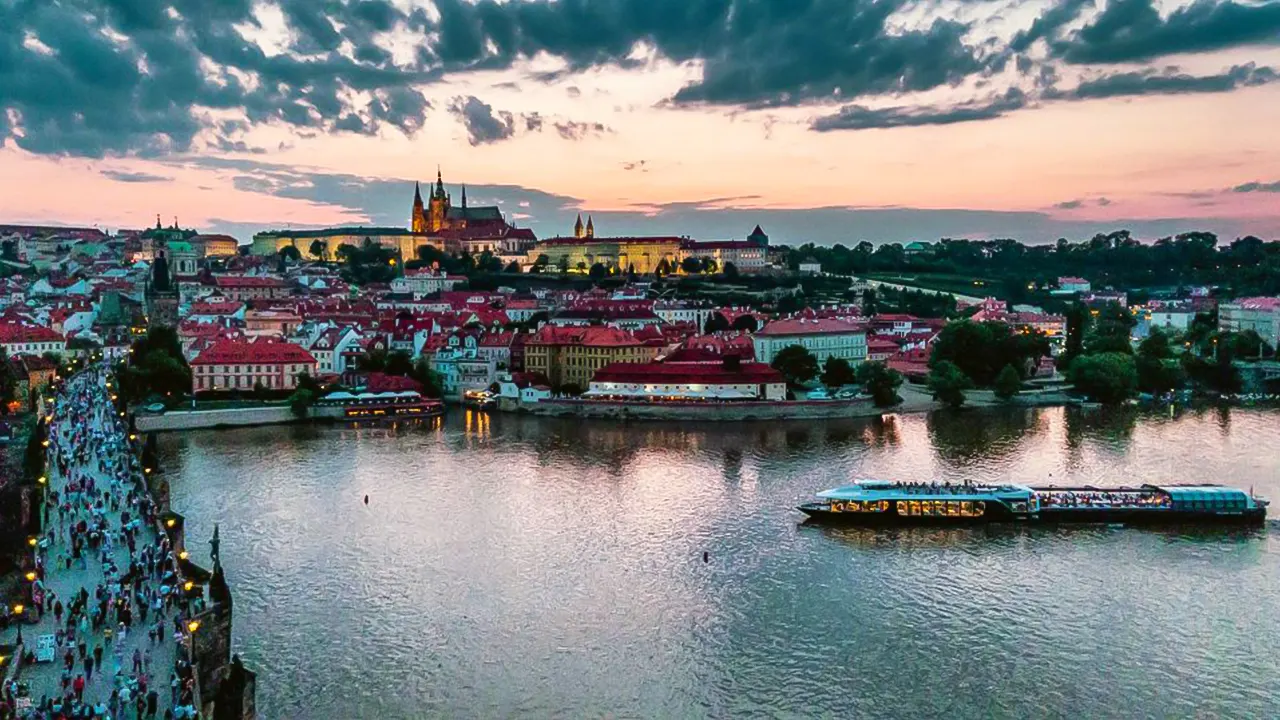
(270, 322)
(1073, 285)
(247, 287)
(398, 240)
(215, 245)
(723, 379)
(425, 281)
(239, 365)
(745, 255)
(644, 255)
(1259, 314)
(1171, 317)
(572, 355)
(810, 266)
(30, 340)
(823, 337)
(162, 293)
(473, 229)
(462, 367)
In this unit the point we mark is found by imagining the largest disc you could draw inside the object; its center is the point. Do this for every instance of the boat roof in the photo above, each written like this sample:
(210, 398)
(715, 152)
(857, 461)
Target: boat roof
(1201, 492)
(888, 489)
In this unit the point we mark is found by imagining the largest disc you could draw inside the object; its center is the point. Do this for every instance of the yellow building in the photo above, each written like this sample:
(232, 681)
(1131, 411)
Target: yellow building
(404, 242)
(572, 355)
(643, 254)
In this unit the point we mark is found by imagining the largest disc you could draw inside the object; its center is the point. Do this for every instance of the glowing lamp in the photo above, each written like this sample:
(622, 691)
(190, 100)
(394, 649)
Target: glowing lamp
(133, 436)
(17, 609)
(32, 541)
(31, 576)
(184, 555)
(42, 479)
(188, 585)
(45, 443)
(193, 626)
(170, 522)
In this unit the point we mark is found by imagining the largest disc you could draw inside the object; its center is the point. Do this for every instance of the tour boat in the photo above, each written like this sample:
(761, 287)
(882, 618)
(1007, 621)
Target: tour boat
(883, 502)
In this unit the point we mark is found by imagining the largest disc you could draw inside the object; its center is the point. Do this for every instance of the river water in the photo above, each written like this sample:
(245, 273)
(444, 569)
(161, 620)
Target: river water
(514, 566)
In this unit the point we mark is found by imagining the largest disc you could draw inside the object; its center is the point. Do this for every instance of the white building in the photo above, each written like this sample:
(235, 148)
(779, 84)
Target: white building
(823, 337)
(676, 311)
(424, 282)
(1259, 314)
(462, 368)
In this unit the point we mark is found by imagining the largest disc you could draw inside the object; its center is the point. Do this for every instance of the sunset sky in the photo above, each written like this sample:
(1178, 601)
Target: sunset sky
(822, 120)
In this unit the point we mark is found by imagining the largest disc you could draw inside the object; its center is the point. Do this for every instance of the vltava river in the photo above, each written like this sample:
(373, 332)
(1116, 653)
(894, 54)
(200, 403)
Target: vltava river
(511, 566)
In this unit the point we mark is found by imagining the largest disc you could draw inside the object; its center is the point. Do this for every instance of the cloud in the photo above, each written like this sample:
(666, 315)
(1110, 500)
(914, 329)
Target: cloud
(1150, 82)
(858, 117)
(571, 130)
(483, 125)
(133, 177)
(1069, 204)
(1252, 187)
(1128, 84)
(635, 165)
(1133, 30)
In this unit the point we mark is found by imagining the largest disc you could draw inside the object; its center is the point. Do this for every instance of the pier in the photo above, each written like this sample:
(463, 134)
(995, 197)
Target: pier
(115, 618)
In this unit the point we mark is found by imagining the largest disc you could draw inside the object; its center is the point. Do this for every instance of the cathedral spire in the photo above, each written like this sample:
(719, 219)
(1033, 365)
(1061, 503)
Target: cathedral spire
(591, 227)
(464, 197)
(439, 184)
(157, 221)
(417, 194)
(577, 227)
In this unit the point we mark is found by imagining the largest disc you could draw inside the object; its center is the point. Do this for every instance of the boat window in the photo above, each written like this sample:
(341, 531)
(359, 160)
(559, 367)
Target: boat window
(914, 506)
(953, 508)
(979, 508)
(902, 507)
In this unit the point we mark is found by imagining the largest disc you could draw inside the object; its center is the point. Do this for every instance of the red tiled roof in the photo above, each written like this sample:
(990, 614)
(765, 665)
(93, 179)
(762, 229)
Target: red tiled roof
(244, 281)
(225, 352)
(216, 308)
(682, 372)
(809, 326)
(12, 333)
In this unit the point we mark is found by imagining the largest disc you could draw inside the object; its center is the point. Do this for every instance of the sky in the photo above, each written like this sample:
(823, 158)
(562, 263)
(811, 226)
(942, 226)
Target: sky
(822, 120)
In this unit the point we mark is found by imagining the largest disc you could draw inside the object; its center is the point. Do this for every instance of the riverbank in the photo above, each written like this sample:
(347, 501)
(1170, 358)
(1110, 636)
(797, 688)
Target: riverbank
(915, 399)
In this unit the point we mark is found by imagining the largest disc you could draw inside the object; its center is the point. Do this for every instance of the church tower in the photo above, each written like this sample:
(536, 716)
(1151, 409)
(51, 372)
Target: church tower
(418, 220)
(591, 228)
(438, 207)
(578, 230)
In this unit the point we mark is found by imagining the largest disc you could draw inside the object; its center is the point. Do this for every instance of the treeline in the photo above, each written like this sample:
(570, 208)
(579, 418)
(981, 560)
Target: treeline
(1245, 266)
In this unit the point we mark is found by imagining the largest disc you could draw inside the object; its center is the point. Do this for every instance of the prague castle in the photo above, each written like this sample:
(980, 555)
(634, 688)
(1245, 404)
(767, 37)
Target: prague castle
(436, 223)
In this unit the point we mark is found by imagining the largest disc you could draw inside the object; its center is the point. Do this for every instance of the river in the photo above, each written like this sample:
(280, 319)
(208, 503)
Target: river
(516, 566)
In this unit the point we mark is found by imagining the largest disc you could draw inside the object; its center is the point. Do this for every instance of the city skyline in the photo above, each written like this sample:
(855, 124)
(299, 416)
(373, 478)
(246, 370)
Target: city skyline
(822, 121)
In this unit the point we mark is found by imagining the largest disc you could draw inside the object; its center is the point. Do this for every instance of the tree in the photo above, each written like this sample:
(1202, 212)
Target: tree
(319, 250)
(730, 271)
(300, 402)
(663, 268)
(290, 253)
(1077, 317)
(1158, 371)
(9, 250)
(582, 266)
(1109, 377)
(398, 362)
(8, 383)
(429, 379)
(715, 323)
(1111, 331)
(870, 305)
(746, 323)
(1008, 383)
(513, 268)
(709, 265)
(259, 390)
(980, 350)
(837, 372)
(797, 364)
(598, 271)
(881, 382)
(691, 265)
(948, 382)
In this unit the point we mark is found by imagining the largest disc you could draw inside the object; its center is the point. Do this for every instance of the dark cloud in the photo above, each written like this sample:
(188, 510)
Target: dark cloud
(1047, 25)
(1150, 82)
(1069, 205)
(858, 117)
(133, 177)
(1252, 187)
(126, 76)
(635, 165)
(1133, 30)
(483, 124)
(570, 130)
(1103, 202)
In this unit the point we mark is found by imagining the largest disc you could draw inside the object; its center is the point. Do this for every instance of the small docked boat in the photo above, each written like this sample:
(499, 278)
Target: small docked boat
(883, 502)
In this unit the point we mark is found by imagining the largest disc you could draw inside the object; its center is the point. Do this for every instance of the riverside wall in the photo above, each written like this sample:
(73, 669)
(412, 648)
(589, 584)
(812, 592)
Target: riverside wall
(734, 411)
(235, 417)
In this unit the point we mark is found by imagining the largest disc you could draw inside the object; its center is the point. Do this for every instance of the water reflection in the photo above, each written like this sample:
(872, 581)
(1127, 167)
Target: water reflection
(517, 566)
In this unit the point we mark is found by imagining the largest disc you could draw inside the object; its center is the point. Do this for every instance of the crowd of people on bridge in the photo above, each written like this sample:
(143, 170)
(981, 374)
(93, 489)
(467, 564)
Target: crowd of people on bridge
(121, 605)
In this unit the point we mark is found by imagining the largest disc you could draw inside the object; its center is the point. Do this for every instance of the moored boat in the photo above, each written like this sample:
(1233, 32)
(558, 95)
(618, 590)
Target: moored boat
(881, 502)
